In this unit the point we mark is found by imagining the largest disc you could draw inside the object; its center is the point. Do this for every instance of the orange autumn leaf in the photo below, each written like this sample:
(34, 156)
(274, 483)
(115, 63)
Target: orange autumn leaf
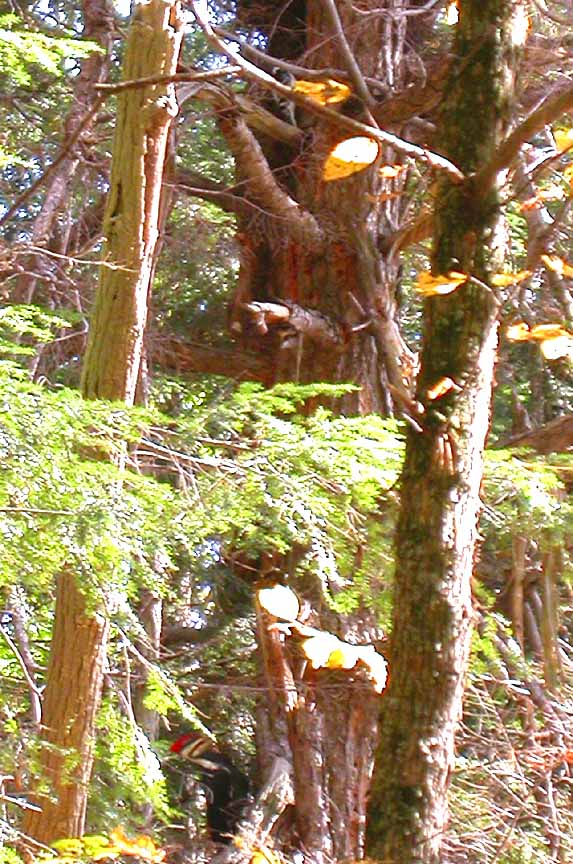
(142, 847)
(445, 283)
(502, 280)
(554, 192)
(349, 157)
(558, 265)
(441, 387)
(563, 139)
(327, 92)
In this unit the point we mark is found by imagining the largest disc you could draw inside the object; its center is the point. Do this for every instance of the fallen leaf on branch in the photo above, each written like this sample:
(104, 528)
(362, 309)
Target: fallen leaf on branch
(445, 283)
(327, 92)
(558, 265)
(502, 280)
(441, 387)
(349, 157)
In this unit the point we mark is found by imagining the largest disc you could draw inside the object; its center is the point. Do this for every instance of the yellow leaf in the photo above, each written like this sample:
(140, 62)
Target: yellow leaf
(389, 172)
(69, 846)
(568, 174)
(541, 332)
(327, 92)
(349, 157)
(142, 847)
(264, 855)
(318, 649)
(279, 601)
(441, 387)
(430, 286)
(558, 265)
(557, 347)
(502, 280)
(563, 139)
(518, 332)
(346, 656)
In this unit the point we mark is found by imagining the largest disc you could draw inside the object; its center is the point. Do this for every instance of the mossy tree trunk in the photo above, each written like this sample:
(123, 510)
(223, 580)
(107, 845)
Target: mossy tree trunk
(441, 478)
(111, 371)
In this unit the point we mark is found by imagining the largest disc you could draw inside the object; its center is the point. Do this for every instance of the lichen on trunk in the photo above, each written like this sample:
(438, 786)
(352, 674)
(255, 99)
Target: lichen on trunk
(436, 533)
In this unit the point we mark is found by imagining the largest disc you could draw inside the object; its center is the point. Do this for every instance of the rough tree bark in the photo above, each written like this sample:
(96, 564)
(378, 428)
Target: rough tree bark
(436, 533)
(316, 297)
(111, 371)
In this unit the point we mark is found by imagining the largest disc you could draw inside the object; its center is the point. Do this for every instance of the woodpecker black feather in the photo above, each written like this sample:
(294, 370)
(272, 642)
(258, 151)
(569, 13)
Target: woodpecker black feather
(227, 789)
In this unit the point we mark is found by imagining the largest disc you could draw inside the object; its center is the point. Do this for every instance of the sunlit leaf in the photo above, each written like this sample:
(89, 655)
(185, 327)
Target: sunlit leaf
(563, 138)
(541, 332)
(502, 280)
(389, 172)
(349, 157)
(452, 13)
(554, 192)
(557, 347)
(327, 92)
(558, 265)
(441, 387)
(142, 847)
(518, 332)
(279, 601)
(445, 283)
(264, 855)
(318, 649)
(568, 174)
(69, 846)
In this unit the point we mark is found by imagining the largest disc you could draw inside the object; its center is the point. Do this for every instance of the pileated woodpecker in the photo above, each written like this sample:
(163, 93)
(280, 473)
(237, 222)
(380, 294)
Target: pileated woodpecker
(227, 789)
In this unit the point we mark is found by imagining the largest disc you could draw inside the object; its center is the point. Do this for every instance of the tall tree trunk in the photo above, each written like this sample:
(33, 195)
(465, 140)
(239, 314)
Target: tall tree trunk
(318, 254)
(75, 676)
(436, 533)
(111, 371)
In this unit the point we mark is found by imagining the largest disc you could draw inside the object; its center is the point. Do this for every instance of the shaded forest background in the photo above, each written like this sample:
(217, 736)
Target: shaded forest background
(275, 392)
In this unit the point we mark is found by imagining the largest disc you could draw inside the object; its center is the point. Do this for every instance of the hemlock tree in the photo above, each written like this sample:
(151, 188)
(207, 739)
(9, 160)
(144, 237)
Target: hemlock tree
(440, 485)
(111, 370)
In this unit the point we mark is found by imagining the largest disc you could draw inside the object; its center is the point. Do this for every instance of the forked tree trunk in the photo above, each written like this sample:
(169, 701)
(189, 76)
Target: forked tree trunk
(325, 263)
(111, 371)
(442, 473)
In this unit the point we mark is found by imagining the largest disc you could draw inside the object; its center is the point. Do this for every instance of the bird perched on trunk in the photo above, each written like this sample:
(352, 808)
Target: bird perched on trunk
(226, 788)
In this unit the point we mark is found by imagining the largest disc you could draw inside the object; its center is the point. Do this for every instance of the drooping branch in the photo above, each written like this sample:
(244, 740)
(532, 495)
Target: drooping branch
(349, 59)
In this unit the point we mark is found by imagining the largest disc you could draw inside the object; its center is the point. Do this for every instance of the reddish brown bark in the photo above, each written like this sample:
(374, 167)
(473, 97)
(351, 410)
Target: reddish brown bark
(75, 676)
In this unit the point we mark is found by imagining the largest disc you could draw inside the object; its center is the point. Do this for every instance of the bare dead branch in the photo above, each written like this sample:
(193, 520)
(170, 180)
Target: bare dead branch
(349, 59)
(252, 72)
(550, 109)
(109, 89)
(308, 322)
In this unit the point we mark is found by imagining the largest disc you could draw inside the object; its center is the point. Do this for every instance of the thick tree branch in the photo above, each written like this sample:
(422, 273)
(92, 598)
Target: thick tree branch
(308, 322)
(550, 109)
(261, 186)
(252, 72)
